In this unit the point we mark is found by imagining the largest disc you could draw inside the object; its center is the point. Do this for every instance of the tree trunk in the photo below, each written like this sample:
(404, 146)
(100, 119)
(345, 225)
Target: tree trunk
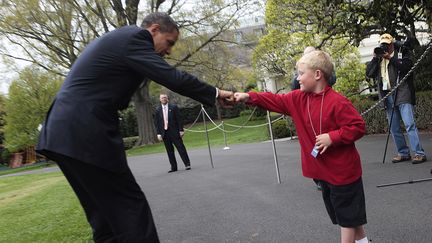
(144, 113)
(218, 111)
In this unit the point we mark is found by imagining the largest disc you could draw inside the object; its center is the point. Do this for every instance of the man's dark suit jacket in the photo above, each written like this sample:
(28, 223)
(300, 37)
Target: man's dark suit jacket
(82, 122)
(174, 120)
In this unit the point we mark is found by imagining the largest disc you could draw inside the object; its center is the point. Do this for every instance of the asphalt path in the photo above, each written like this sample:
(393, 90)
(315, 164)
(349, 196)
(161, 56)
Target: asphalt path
(240, 200)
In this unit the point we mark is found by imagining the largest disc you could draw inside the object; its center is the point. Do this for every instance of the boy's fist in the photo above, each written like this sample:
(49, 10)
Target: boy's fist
(241, 97)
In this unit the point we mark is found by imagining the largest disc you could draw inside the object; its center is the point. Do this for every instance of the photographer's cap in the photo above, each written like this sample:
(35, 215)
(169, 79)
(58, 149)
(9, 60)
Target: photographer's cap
(386, 38)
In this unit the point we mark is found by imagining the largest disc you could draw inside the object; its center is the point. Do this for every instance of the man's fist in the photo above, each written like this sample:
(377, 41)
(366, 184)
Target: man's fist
(226, 98)
(159, 137)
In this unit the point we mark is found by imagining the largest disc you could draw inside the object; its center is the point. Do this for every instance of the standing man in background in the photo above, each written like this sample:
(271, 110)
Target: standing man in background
(169, 128)
(388, 67)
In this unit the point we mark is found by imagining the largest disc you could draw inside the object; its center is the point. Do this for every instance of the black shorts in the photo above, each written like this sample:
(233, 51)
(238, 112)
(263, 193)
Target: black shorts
(345, 204)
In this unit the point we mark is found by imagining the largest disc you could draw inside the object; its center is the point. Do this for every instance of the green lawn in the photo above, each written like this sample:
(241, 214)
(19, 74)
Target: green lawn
(41, 208)
(195, 139)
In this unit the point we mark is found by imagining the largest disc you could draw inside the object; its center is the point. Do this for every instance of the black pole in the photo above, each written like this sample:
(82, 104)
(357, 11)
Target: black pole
(405, 182)
(389, 128)
(391, 118)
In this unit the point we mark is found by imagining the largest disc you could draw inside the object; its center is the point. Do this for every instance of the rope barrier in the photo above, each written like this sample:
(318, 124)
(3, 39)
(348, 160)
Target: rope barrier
(402, 81)
(209, 130)
(194, 121)
(217, 126)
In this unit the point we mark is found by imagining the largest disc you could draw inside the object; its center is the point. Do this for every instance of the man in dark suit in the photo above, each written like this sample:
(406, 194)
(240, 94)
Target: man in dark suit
(169, 128)
(81, 130)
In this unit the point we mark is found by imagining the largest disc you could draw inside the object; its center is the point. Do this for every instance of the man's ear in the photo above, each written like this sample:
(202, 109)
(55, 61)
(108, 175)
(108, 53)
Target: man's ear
(154, 28)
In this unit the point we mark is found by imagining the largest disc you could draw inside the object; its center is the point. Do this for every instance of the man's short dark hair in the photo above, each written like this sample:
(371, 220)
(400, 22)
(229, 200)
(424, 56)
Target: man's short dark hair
(166, 23)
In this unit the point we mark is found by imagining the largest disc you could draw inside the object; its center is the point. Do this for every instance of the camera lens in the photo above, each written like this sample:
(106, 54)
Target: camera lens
(379, 51)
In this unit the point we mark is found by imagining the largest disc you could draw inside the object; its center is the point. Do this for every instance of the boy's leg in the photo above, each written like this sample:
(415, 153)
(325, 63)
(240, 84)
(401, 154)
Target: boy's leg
(359, 233)
(347, 235)
(346, 206)
(353, 234)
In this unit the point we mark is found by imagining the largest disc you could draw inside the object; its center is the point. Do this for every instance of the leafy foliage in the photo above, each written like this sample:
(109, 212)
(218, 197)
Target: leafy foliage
(307, 21)
(29, 99)
(2, 117)
(336, 27)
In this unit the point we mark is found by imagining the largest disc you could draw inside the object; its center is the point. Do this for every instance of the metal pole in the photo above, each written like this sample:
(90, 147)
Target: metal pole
(225, 140)
(274, 147)
(405, 182)
(392, 114)
(207, 136)
(390, 125)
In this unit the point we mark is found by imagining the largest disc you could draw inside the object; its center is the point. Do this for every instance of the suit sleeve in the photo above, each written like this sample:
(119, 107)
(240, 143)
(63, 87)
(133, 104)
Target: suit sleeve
(351, 124)
(157, 122)
(142, 58)
(178, 118)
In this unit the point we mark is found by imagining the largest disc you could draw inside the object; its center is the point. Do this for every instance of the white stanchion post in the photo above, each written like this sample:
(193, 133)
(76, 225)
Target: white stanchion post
(207, 136)
(274, 148)
(225, 140)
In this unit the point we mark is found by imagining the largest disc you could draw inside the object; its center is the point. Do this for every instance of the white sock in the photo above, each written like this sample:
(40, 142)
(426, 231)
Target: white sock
(364, 240)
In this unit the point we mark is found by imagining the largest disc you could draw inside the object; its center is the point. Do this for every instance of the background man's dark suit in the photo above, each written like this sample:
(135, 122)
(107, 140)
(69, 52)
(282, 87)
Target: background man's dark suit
(172, 134)
(81, 129)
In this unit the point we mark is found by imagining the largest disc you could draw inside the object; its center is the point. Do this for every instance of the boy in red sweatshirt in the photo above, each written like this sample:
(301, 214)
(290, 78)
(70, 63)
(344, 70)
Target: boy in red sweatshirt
(327, 126)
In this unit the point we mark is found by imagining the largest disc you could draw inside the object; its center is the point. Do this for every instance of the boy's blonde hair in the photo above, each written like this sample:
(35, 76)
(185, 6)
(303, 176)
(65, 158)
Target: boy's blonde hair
(318, 60)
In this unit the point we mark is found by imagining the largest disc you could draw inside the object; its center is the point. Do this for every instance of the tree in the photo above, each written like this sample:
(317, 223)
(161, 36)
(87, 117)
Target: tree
(334, 26)
(216, 64)
(52, 33)
(2, 117)
(28, 101)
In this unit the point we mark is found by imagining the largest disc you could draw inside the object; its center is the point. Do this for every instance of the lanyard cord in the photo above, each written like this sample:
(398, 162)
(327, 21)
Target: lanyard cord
(310, 119)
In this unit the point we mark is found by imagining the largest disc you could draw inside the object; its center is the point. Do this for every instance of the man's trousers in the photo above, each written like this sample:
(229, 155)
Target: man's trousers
(114, 204)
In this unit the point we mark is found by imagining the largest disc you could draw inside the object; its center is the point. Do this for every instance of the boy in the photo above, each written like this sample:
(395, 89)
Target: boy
(327, 125)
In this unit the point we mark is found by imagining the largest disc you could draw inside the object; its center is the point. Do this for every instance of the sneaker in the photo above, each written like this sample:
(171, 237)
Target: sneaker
(401, 158)
(188, 167)
(418, 159)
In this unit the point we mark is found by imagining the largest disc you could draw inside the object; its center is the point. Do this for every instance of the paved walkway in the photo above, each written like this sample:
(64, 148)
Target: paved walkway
(240, 200)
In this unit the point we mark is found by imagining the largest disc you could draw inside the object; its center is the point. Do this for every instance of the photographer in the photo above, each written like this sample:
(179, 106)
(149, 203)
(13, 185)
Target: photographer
(388, 67)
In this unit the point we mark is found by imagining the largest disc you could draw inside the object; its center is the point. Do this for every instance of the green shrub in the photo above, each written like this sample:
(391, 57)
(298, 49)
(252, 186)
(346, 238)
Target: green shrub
(245, 112)
(5, 156)
(130, 142)
(283, 128)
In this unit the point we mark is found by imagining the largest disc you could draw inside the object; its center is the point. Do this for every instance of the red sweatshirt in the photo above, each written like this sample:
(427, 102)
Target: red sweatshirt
(340, 163)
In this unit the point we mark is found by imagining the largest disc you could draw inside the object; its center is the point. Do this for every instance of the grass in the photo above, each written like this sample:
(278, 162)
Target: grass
(6, 170)
(198, 139)
(41, 208)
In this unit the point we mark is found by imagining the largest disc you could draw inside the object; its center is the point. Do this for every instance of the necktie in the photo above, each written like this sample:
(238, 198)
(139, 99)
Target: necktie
(165, 117)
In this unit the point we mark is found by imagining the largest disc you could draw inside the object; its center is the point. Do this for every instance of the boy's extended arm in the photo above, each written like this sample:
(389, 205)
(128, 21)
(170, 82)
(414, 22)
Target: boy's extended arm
(351, 125)
(269, 101)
